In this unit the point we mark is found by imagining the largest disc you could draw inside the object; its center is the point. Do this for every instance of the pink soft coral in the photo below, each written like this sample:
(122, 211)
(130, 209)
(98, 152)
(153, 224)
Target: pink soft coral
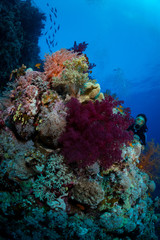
(94, 132)
(53, 65)
(53, 124)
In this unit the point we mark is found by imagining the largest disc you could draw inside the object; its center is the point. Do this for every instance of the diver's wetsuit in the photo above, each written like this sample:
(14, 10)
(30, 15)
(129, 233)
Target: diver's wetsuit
(139, 132)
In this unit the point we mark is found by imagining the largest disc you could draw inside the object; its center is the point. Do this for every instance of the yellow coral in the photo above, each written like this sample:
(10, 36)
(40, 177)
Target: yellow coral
(91, 92)
(18, 72)
(74, 72)
(18, 113)
(73, 76)
(49, 97)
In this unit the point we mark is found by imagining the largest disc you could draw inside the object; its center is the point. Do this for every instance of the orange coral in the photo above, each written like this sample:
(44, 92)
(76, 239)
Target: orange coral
(150, 161)
(53, 65)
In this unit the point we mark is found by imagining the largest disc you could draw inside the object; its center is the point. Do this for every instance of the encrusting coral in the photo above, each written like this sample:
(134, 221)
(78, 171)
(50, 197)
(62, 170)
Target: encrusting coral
(91, 92)
(87, 192)
(68, 166)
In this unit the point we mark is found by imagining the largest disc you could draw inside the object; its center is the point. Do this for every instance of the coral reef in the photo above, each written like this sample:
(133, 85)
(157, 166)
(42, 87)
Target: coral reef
(20, 27)
(87, 192)
(69, 168)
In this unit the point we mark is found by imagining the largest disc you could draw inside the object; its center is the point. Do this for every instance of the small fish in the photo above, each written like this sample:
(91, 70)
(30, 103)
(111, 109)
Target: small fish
(50, 17)
(55, 15)
(55, 10)
(48, 4)
(131, 145)
(52, 10)
(80, 206)
(49, 37)
(53, 35)
(50, 27)
(120, 109)
(55, 30)
(46, 33)
(56, 44)
(47, 42)
(52, 44)
(54, 23)
(38, 65)
(58, 27)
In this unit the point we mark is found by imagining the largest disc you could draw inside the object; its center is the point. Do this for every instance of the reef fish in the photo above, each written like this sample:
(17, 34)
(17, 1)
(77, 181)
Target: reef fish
(38, 65)
(50, 17)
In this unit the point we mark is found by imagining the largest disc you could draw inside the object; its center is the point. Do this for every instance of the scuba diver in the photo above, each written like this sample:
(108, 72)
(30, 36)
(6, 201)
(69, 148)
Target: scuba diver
(139, 128)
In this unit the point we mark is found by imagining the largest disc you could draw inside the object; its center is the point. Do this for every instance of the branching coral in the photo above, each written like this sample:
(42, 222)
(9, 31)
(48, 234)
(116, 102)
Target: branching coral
(51, 184)
(149, 161)
(94, 133)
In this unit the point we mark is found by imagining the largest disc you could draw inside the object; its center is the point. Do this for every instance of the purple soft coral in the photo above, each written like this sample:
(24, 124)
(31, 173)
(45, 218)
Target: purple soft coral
(80, 48)
(94, 132)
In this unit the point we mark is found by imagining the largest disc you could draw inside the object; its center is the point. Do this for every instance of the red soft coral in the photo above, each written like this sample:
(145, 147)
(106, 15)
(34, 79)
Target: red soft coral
(149, 161)
(53, 65)
(94, 132)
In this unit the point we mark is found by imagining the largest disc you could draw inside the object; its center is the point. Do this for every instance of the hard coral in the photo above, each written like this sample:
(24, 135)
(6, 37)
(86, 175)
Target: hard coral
(91, 92)
(87, 192)
(25, 102)
(94, 132)
(51, 184)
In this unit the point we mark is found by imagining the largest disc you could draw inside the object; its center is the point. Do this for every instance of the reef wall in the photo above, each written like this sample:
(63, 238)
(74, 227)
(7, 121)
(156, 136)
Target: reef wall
(20, 27)
(68, 165)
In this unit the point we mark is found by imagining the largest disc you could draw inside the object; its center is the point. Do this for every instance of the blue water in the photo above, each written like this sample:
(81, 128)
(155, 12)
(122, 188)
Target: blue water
(123, 41)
